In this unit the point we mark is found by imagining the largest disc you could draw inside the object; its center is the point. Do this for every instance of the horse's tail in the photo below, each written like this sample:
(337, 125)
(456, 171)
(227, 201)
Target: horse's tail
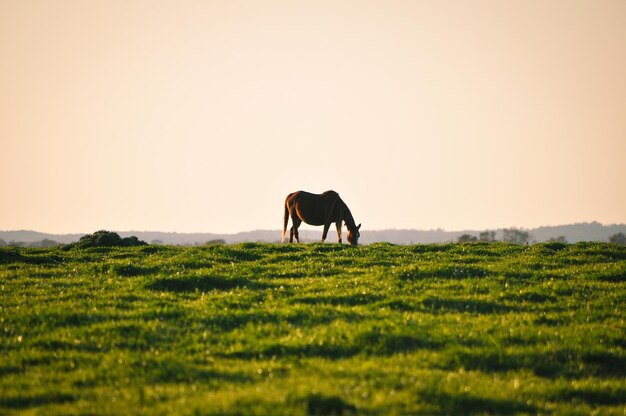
(285, 221)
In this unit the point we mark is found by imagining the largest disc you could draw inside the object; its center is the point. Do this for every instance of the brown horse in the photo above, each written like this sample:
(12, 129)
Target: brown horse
(317, 209)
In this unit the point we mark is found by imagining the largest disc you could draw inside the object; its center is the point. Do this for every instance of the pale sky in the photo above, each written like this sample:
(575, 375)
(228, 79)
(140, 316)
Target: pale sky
(201, 116)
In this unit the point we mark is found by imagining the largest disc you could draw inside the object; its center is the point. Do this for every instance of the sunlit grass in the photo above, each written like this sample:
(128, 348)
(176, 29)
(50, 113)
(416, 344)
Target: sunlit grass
(314, 329)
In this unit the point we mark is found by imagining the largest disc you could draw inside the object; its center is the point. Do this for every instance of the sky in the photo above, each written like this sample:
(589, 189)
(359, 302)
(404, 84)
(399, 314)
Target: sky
(201, 116)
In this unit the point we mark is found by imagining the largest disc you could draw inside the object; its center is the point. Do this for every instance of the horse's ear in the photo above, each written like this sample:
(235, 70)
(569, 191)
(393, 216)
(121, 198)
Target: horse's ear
(359, 226)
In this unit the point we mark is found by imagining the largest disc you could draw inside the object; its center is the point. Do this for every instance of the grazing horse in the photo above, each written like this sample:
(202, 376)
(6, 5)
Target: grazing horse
(317, 209)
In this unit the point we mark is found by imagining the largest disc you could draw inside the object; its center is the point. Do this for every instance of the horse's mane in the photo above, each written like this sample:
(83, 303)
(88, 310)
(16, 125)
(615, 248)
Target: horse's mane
(348, 218)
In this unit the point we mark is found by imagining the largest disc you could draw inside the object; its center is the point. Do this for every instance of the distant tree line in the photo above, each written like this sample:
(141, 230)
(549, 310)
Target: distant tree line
(509, 235)
(483, 237)
(43, 243)
(517, 236)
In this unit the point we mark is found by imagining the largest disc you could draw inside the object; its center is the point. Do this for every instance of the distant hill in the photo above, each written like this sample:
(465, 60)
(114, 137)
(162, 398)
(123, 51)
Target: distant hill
(573, 233)
(33, 236)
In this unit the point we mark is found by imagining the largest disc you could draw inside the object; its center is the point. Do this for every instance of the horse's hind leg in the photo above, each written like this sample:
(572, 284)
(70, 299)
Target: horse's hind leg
(339, 232)
(294, 230)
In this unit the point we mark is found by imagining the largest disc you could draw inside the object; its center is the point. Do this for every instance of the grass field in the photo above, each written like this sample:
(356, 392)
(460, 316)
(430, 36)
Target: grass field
(314, 329)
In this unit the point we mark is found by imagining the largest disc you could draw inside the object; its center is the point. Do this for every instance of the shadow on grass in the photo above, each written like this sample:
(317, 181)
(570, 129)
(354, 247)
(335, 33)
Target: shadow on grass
(285, 258)
(6, 370)
(551, 320)
(136, 337)
(371, 343)
(532, 297)
(329, 351)
(317, 404)
(124, 335)
(66, 318)
(10, 255)
(204, 284)
(593, 397)
(615, 276)
(439, 305)
(26, 400)
(223, 322)
(550, 364)
(464, 305)
(130, 270)
(376, 342)
(443, 271)
(347, 300)
(63, 345)
(603, 363)
(465, 404)
(19, 366)
(176, 371)
(402, 305)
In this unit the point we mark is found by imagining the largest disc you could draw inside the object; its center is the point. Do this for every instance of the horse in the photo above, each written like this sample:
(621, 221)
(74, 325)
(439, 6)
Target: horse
(315, 209)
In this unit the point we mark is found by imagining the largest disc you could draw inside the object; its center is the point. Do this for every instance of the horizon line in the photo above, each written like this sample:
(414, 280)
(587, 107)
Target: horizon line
(439, 229)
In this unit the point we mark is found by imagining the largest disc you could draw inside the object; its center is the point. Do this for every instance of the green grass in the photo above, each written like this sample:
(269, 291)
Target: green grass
(314, 329)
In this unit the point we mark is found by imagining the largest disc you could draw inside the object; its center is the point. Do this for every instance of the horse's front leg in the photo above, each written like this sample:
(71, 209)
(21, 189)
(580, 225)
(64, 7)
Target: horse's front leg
(325, 233)
(339, 231)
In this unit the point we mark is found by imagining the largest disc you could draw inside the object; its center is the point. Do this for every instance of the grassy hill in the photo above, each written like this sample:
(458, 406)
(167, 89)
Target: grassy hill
(314, 329)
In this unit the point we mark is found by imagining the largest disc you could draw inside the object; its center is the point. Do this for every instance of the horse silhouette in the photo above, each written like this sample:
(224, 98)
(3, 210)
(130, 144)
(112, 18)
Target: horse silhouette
(315, 209)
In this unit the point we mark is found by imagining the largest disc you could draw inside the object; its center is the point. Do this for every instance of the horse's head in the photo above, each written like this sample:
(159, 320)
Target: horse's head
(353, 235)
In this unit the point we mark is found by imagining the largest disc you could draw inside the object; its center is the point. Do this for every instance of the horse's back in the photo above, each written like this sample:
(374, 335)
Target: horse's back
(309, 196)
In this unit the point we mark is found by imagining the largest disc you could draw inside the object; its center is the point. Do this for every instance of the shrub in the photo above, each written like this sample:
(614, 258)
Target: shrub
(105, 238)
(132, 241)
(618, 238)
(467, 238)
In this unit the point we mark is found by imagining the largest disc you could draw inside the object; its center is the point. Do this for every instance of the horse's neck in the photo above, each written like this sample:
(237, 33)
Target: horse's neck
(347, 217)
